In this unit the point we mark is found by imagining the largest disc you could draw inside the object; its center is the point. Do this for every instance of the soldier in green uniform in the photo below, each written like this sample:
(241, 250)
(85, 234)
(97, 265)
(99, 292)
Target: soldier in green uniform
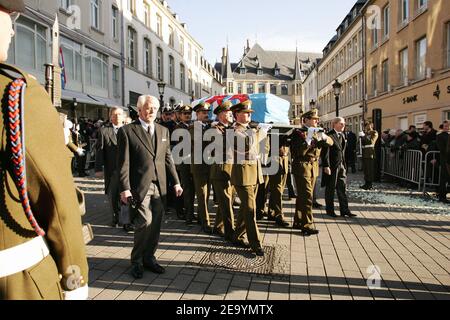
(306, 145)
(246, 175)
(277, 184)
(263, 188)
(184, 169)
(42, 254)
(200, 170)
(221, 174)
(368, 140)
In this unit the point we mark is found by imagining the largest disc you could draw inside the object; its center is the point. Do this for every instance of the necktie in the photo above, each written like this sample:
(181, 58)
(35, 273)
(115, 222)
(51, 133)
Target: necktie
(152, 136)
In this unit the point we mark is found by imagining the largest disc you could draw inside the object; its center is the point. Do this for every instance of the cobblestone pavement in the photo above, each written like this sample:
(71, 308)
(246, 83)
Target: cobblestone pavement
(409, 247)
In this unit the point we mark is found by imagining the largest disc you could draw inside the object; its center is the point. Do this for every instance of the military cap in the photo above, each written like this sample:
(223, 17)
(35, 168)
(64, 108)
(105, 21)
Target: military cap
(202, 106)
(184, 109)
(368, 123)
(312, 114)
(225, 106)
(244, 106)
(12, 5)
(167, 109)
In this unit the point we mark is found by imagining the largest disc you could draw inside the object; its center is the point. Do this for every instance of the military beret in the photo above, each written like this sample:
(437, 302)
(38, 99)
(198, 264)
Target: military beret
(225, 106)
(244, 106)
(312, 114)
(202, 106)
(12, 5)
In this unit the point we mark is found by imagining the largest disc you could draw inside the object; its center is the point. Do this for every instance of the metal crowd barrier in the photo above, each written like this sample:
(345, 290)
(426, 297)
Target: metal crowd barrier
(432, 176)
(404, 165)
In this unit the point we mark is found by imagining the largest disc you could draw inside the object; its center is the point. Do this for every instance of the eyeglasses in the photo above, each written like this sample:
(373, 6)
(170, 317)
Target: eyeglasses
(14, 16)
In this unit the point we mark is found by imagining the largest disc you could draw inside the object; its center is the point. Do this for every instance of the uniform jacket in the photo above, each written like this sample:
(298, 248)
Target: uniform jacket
(306, 157)
(370, 138)
(53, 199)
(222, 169)
(106, 156)
(197, 168)
(247, 172)
(137, 157)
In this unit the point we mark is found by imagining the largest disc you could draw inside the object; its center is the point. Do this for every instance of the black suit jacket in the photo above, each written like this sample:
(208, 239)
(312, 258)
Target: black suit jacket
(137, 156)
(107, 151)
(334, 156)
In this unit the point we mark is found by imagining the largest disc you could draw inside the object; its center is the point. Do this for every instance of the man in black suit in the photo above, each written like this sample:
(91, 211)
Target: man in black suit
(350, 150)
(144, 158)
(106, 162)
(335, 171)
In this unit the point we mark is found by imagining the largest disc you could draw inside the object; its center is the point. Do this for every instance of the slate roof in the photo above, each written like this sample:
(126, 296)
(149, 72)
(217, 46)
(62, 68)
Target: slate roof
(267, 60)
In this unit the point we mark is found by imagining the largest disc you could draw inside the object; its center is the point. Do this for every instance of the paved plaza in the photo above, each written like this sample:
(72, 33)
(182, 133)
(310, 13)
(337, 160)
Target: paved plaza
(406, 244)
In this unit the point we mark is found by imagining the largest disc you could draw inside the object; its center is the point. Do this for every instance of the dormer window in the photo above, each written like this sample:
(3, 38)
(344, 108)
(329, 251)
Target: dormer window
(277, 72)
(242, 70)
(259, 72)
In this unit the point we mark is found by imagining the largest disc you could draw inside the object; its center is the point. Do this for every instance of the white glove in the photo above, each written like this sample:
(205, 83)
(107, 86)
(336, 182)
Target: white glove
(322, 136)
(81, 152)
(362, 134)
(264, 127)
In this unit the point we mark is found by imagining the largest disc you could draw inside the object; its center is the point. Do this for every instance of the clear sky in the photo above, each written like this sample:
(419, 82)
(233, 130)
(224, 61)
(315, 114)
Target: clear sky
(276, 25)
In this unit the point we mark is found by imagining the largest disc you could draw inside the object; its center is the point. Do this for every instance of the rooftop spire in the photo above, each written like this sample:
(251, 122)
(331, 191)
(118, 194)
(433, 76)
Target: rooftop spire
(297, 72)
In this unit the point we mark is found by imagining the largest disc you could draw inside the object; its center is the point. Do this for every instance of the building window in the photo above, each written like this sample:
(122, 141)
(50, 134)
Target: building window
(65, 4)
(30, 46)
(190, 84)
(230, 87)
(132, 6)
(273, 89)
(147, 15)
(95, 14)
(374, 80)
(242, 70)
(422, 5)
(71, 54)
(96, 69)
(404, 66)
(374, 32)
(171, 71)
(385, 70)
(189, 52)
(182, 46)
(261, 88)
(115, 22)
(116, 80)
(239, 88)
(147, 57)
(421, 52)
(250, 88)
(284, 90)
(260, 72)
(356, 88)
(404, 12)
(196, 58)
(159, 25)
(182, 78)
(132, 48)
(171, 37)
(386, 22)
(160, 65)
(448, 45)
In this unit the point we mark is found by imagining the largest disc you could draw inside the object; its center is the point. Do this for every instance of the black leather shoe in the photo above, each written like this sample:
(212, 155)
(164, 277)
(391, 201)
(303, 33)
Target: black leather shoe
(207, 229)
(332, 214)
(310, 232)
(348, 214)
(218, 232)
(281, 222)
(271, 218)
(240, 243)
(317, 205)
(259, 252)
(128, 228)
(155, 268)
(444, 201)
(137, 272)
(292, 195)
(297, 227)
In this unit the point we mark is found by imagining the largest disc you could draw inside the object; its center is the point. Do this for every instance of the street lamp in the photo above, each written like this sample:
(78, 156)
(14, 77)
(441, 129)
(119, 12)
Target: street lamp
(337, 86)
(161, 87)
(312, 104)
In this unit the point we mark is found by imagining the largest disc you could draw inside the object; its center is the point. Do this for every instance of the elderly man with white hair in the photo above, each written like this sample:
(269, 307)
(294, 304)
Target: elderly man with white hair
(144, 158)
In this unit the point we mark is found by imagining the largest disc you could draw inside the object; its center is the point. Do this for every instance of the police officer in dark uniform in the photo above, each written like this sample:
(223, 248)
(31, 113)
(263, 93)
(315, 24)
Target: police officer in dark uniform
(42, 251)
(369, 139)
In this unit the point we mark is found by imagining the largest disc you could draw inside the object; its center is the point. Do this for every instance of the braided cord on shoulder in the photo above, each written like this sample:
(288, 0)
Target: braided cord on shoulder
(16, 136)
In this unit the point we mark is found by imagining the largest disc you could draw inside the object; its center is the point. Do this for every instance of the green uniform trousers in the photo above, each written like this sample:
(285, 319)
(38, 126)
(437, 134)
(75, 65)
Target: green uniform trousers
(303, 206)
(225, 215)
(187, 183)
(369, 167)
(246, 221)
(202, 188)
(277, 184)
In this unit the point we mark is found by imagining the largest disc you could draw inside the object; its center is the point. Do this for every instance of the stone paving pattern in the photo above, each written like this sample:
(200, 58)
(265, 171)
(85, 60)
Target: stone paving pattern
(411, 249)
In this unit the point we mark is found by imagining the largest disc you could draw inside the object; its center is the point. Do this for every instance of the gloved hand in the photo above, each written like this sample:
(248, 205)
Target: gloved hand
(81, 152)
(322, 136)
(264, 127)
(362, 134)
